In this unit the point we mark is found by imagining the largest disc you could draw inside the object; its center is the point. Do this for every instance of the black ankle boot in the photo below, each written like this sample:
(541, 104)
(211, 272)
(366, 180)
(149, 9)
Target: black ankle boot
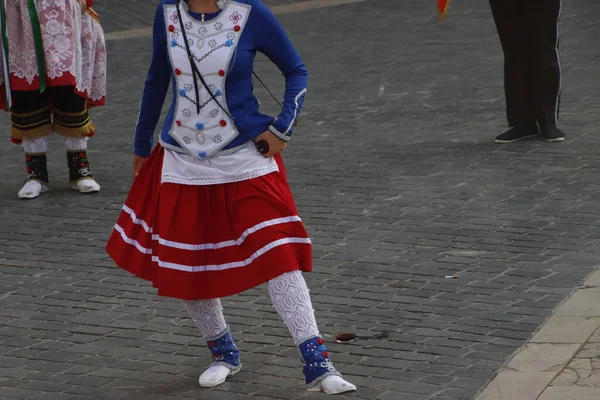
(37, 169)
(79, 166)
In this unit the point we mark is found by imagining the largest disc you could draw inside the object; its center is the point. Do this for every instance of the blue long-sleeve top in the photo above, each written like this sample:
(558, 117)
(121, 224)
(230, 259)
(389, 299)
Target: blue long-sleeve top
(262, 33)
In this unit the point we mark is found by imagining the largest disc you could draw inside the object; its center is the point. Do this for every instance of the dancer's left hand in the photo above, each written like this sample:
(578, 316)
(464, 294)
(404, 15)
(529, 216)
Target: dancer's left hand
(138, 162)
(276, 145)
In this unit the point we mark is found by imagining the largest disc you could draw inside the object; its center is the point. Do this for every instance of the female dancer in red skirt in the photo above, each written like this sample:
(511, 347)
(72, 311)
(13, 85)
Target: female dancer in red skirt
(210, 214)
(52, 70)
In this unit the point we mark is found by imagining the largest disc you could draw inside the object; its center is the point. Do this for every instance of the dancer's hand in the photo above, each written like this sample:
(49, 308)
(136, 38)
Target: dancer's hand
(276, 145)
(138, 162)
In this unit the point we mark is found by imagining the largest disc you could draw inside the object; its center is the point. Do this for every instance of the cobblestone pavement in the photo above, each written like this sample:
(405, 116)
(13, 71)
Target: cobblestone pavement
(398, 179)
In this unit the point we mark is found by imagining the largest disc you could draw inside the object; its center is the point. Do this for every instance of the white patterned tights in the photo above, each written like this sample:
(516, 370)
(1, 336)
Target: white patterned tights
(36, 146)
(40, 145)
(290, 298)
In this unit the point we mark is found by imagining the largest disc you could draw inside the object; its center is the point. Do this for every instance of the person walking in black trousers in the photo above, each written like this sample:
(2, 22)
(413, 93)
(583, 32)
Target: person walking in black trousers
(528, 31)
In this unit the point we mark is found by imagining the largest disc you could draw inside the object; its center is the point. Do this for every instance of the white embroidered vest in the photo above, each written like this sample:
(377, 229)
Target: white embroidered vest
(212, 44)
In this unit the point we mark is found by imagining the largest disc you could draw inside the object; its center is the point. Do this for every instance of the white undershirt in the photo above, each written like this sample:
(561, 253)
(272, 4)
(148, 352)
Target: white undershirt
(244, 164)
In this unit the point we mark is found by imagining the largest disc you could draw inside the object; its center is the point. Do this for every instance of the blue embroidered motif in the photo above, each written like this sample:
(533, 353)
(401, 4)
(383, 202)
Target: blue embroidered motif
(173, 43)
(202, 155)
(182, 92)
(199, 126)
(218, 93)
(229, 43)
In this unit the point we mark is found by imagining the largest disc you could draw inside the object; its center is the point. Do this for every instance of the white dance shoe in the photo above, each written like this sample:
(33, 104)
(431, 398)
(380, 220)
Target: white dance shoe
(32, 189)
(333, 385)
(86, 186)
(215, 375)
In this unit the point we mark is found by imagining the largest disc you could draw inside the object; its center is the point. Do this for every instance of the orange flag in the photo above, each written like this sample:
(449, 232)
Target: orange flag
(443, 8)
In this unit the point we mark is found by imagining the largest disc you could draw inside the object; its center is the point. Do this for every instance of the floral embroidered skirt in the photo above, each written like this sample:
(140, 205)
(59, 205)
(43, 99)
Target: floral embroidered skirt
(209, 241)
(73, 49)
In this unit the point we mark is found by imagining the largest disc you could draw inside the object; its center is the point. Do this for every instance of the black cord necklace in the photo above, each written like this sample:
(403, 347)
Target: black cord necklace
(261, 145)
(195, 71)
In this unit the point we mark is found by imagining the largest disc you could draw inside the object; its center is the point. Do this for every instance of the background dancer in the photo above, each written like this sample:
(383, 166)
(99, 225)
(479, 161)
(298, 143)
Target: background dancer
(55, 56)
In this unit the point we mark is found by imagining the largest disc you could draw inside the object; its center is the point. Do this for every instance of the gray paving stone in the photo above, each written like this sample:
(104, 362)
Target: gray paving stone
(459, 393)
(45, 386)
(402, 396)
(439, 380)
(473, 373)
(54, 396)
(17, 393)
(410, 387)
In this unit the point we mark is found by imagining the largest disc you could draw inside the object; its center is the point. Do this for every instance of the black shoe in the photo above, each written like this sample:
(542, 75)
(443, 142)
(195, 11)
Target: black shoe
(514, 134)
(553, 135)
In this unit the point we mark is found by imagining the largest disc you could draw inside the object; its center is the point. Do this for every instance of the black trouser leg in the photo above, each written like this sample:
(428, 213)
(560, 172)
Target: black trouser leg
(31, 121)
(30, 115)
(544, 16)
(71, 117)
(513, 30)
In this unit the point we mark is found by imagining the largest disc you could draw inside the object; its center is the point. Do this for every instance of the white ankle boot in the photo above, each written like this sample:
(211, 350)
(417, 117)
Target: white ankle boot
(31, 190)
(215, 375)
(86, 186)
(333, 385)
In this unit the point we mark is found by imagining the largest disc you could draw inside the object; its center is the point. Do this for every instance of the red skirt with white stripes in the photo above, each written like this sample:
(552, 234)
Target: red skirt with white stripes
(203, 242)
